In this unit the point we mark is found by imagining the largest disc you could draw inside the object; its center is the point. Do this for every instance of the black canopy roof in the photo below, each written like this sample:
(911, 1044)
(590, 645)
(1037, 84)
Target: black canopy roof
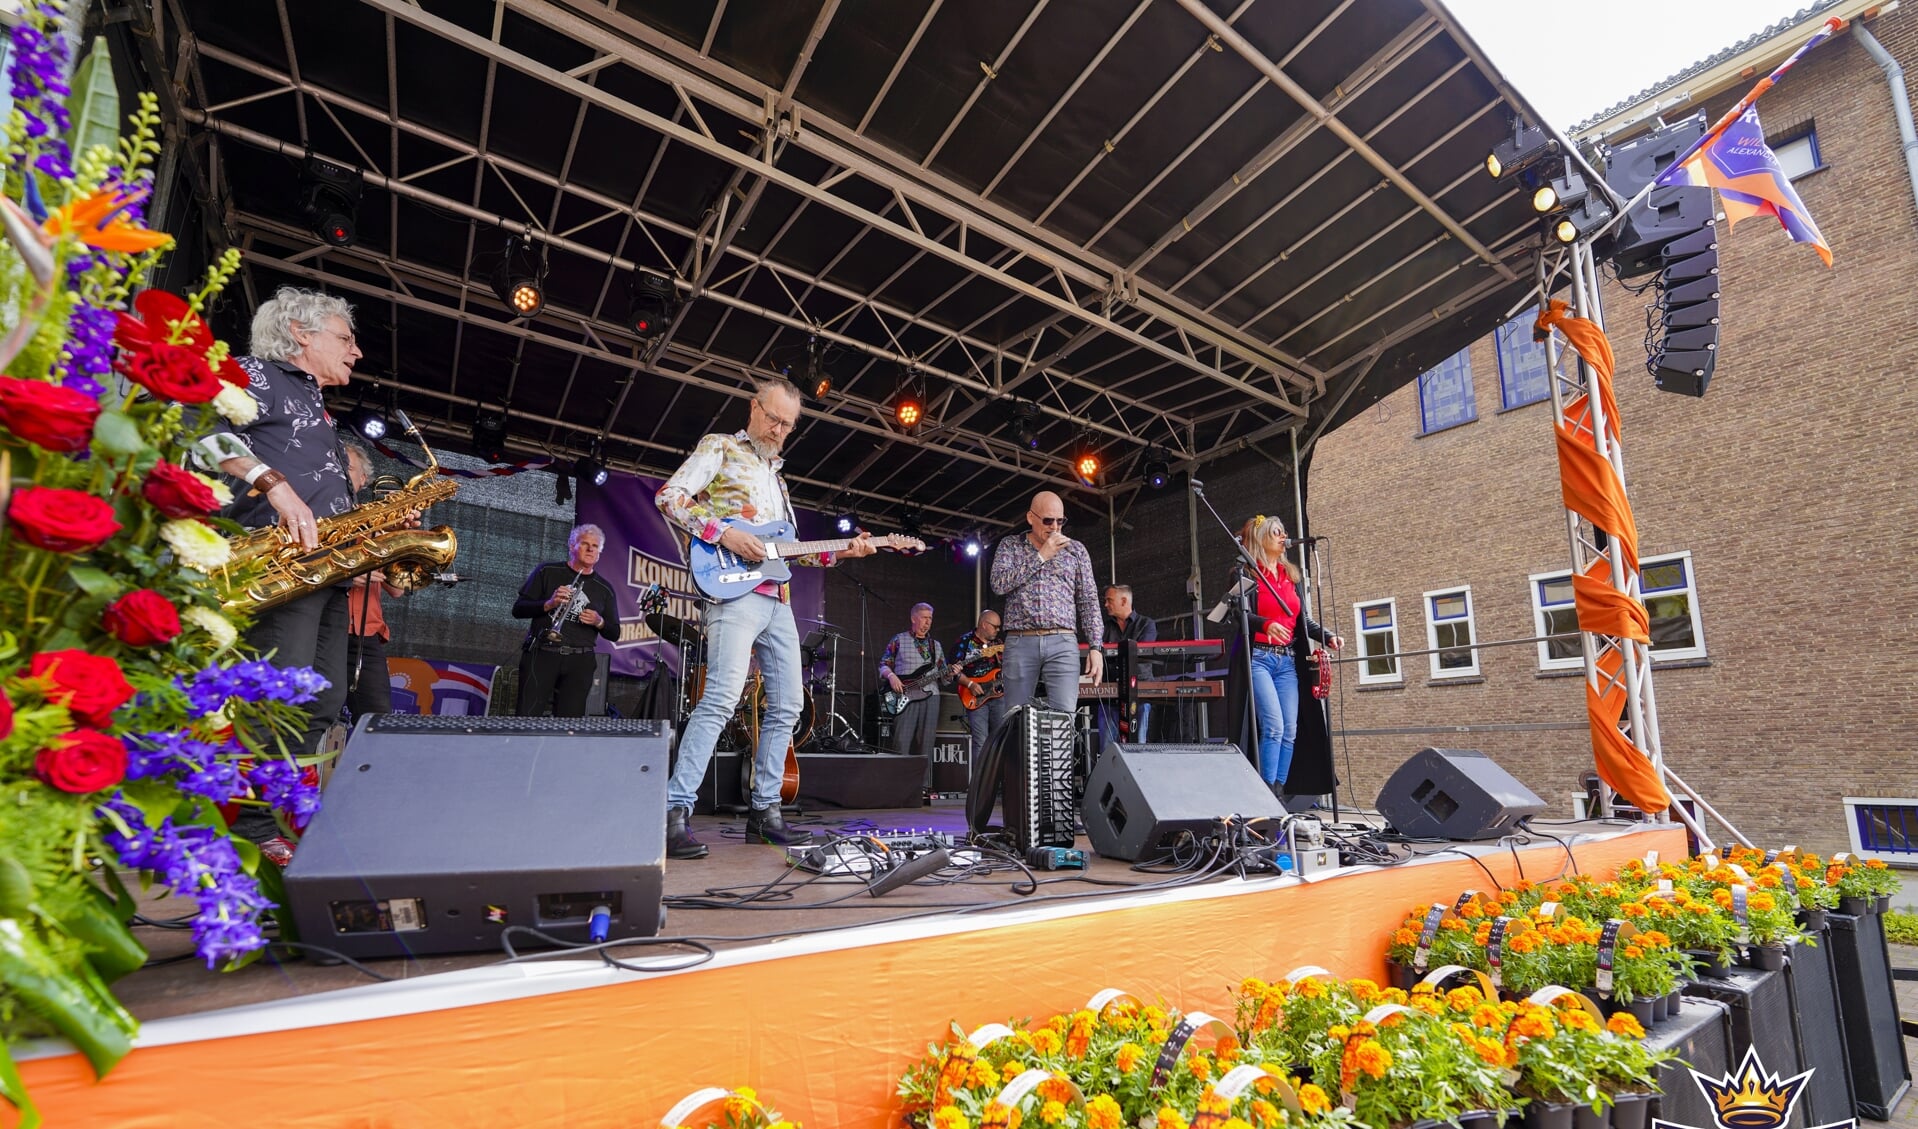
(1172, 223)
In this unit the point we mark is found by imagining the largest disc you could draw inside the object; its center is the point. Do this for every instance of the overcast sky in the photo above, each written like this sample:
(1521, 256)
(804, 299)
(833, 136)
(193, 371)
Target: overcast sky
(1620, 47)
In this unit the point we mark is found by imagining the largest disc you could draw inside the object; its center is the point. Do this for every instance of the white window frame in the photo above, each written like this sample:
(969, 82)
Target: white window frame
(1670, 654)
(1431, 633)
(1697, 649)
(1359, 633)
(1852, 804)
(1540, 628)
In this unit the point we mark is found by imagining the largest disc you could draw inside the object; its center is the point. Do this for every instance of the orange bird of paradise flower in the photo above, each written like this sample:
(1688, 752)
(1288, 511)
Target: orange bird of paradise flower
(95, 221)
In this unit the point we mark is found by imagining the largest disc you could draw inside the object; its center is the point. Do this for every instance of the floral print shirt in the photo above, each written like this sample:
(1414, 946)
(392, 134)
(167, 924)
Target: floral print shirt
(294, 435)
(725, 480)
(1048, 594)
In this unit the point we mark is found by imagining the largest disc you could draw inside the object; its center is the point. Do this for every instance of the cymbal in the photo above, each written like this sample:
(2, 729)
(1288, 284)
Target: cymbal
(819, 623)
(670, 627)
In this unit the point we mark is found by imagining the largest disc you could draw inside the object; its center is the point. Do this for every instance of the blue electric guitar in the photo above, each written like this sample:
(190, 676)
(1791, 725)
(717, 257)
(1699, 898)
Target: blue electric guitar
(725, 575)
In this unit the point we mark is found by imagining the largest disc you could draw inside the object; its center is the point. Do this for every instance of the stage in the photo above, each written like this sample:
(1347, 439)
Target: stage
(818, 1007)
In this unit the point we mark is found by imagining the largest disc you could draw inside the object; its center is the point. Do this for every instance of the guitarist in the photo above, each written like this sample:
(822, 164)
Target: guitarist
(918, 654)
(731, 478)
(980, 673)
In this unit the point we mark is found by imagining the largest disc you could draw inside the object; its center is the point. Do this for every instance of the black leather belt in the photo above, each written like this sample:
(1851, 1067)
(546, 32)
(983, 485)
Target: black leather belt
(565, 650)
(1285, 648)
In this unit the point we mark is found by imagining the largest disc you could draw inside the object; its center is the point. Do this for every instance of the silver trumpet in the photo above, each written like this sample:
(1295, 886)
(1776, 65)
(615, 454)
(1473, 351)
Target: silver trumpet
(567, 611)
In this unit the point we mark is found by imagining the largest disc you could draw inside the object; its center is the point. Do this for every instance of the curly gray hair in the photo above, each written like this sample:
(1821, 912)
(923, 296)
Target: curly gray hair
(579, 531)
(274, 321)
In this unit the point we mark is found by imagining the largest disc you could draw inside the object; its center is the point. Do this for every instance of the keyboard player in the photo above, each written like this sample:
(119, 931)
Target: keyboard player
(1122, 622)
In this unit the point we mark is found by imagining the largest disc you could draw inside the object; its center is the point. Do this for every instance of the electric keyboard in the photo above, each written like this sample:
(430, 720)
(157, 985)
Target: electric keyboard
(1169, 649)
(1144, 689)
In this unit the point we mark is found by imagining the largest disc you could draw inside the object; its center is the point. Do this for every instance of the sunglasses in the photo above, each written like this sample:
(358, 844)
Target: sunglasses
(1052, 522)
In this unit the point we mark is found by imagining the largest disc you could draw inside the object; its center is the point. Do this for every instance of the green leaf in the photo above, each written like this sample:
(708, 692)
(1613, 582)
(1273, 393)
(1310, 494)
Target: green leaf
(94, 105)
(115, 433)
(88, 915)
(72, 1000)
(16, 888)
(14, 1090)
(93, 581)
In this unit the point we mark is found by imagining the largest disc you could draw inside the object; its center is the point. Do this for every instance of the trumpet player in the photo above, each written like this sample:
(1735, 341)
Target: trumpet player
(289, 469)
(571, 609)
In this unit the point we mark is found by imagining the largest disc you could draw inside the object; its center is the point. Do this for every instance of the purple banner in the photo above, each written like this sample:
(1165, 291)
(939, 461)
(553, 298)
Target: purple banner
(643, 549)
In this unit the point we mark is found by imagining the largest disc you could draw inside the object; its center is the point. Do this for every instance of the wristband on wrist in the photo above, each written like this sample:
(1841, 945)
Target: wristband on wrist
(256, 472)
(267, 481)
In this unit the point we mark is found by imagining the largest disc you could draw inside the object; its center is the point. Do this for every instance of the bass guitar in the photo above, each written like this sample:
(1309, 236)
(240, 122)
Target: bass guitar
(987, 686)
(917, 685)
(725, 575)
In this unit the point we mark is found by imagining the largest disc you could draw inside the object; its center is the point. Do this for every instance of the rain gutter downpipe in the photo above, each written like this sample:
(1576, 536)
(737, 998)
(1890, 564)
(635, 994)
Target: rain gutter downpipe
(1900, 101)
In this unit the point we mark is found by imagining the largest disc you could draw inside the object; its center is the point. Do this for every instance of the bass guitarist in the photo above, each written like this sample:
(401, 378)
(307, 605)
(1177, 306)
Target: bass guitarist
(917, 656)
(730, 479)
(978, 656)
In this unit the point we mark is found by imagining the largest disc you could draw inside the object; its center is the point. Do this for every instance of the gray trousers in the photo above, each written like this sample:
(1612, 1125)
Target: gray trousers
(982, 723)
(1052, 657)
(915, 728)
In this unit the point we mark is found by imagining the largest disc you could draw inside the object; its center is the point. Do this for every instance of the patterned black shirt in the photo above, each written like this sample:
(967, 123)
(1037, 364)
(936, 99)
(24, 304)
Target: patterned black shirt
(294, 435)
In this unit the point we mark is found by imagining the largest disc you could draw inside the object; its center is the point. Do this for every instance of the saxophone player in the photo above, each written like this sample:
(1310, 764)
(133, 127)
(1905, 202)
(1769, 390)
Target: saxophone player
(290, 469)
(571, 609)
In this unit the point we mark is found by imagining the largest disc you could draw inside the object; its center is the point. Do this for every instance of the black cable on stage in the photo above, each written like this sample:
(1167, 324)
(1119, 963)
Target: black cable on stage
(563, 947)
(1571, 860)
(183, 922)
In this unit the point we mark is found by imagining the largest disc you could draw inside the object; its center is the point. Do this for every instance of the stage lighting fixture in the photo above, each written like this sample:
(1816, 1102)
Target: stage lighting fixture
(330, 200)
(649, 304)
(1155, 469)
(1086, 464)
(972, 545)
(1526, 147)
(369, 422)
(1025, 425)
(1567, 191)
(516, 281)
(489, 436)
(908, 403)
(590, 467)
(847, 519)
(818, 380)
(912, 520)
(1584, 220)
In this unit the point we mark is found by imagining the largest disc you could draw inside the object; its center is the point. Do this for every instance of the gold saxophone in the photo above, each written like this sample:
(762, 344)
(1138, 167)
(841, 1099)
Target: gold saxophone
(350, 545)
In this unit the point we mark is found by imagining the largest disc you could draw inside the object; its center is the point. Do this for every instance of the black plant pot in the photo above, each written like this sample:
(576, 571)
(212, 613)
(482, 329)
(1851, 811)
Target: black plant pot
(1661, 1009)
(1709, 962)
(1642, 1011)
(1812, 920)
(1402, 976)
(1768, 958)
(1884, 903)
(1631, 1110)
(1855, 907)
(1585, 1117)
(1673, 1002)
(1482, 1119)
(1548, 1115)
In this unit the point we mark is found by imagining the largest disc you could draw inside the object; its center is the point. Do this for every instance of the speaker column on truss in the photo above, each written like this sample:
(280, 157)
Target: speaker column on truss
(1673, 234)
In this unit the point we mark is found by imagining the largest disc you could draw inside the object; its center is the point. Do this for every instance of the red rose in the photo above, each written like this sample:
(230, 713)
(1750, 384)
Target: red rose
(61, 521)
(158, 309)
(6, 716)
(172, 372)
(141, 618)
(82, 761)
(47, 415)
(178, 493)
(90, 686)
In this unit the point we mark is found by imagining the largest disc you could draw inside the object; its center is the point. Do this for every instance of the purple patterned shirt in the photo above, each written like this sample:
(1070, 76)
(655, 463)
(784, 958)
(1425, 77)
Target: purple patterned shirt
(1056, 593)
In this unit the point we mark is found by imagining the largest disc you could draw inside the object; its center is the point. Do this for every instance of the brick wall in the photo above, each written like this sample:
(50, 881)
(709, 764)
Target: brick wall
(1790, 483)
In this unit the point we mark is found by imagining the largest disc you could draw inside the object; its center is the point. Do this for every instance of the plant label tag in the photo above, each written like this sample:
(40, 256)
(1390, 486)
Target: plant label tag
(679, 1114)
(1607, 949)
(1548, 910)
(1495, 950)
(1427, 935)
(1841, 856)
(1651, 859)
(1740, 903)
(1665, 887)
(1771, 856)
(1740, 872)
(1462, 899)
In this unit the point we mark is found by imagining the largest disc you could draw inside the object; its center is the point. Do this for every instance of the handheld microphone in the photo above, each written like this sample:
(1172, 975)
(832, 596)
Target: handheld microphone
(599, 923)
(1307, 540)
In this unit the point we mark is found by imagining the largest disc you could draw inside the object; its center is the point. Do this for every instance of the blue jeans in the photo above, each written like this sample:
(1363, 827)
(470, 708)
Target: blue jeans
(1275, 693)
(736, 631)
(1029, 657)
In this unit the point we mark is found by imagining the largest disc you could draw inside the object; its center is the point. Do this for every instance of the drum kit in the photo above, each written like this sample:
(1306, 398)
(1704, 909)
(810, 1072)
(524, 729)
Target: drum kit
(819, 724)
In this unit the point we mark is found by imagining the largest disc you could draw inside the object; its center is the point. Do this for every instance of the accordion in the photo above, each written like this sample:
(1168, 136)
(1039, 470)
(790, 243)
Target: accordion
(1037, 750)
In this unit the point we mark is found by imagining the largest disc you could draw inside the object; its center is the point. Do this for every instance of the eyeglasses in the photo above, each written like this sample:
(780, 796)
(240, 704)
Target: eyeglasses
(1052, 522)
(777, 422)
(351, 341)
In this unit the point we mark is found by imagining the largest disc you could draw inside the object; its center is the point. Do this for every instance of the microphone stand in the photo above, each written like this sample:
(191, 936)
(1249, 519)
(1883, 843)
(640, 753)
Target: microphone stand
(1245, 597)
(864, 593)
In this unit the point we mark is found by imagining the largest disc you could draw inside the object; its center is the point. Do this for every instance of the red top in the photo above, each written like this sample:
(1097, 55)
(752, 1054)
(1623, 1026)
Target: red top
(1278, 603)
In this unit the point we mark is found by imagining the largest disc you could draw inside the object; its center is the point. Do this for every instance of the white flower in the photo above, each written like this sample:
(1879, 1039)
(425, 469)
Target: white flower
(214, 624)
(237, 405)
(220, 492)
(196, 545)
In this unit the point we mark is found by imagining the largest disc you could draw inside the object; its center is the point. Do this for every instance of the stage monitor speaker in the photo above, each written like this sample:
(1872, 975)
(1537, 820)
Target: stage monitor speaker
(1141, 799)
(1455, 794)
(436, 833)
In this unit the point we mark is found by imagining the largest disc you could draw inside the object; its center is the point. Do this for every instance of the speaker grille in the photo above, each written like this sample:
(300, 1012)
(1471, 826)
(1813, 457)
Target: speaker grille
(1869, 1003)
(517, 726)
(1701, 1034)
(1760, 1015)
